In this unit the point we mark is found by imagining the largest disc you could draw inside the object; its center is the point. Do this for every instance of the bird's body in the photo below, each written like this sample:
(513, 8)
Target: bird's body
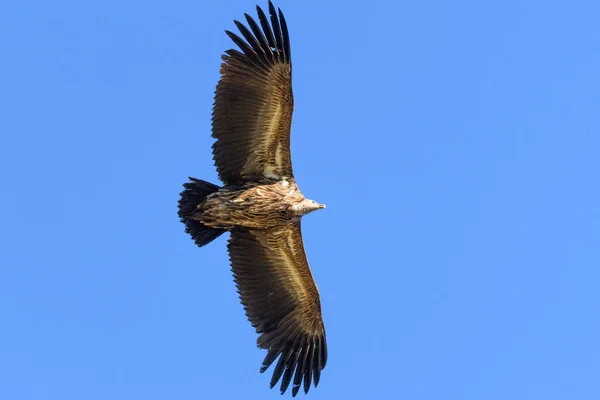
(255, 206)
(260, 203)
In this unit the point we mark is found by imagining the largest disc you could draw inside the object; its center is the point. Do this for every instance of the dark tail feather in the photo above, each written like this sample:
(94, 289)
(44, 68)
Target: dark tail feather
(195, 192)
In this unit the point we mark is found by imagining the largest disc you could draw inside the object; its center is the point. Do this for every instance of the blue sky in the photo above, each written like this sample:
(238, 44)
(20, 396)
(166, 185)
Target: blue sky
(455, 144)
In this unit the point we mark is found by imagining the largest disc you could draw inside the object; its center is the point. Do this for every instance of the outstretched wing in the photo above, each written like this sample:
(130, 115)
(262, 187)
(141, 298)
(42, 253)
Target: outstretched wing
(252, 113)
(281, 301)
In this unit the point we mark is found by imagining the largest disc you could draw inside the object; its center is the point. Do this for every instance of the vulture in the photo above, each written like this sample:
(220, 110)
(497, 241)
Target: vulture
(260, 203)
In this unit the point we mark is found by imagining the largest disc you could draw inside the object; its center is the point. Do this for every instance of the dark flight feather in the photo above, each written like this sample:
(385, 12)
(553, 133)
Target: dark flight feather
(264, 22)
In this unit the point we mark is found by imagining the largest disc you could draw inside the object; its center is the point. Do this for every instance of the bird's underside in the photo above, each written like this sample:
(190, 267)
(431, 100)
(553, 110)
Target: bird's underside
(260, 204)
(253, 206)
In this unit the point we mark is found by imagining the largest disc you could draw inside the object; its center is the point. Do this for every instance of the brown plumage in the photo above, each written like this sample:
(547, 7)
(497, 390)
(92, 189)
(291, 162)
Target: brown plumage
(260, 203)
(252, 114)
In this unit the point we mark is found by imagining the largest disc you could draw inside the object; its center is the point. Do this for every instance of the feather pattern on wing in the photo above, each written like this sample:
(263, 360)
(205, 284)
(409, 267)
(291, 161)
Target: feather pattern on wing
(252, 112)
(281, 301)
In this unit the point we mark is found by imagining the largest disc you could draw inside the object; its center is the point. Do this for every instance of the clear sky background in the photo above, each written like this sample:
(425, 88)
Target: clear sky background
(455, 143)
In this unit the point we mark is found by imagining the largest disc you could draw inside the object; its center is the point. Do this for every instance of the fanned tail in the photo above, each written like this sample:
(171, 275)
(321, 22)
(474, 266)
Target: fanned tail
(196, 190)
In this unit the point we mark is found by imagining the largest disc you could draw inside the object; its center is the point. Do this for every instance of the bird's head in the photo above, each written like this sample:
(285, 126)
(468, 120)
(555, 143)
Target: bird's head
(306, 206)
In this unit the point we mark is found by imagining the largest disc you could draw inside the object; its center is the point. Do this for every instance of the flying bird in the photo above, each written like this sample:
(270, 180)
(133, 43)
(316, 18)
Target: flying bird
(260, 203)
